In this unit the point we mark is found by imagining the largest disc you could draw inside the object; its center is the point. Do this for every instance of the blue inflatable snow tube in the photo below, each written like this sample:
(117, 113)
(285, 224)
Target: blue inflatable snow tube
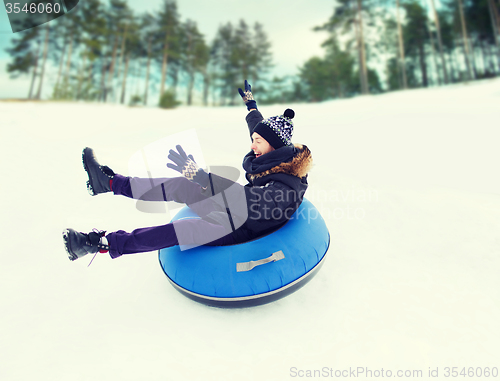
(251, 273)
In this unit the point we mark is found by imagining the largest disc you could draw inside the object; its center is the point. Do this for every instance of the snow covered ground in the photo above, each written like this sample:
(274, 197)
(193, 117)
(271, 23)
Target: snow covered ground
(408, 184)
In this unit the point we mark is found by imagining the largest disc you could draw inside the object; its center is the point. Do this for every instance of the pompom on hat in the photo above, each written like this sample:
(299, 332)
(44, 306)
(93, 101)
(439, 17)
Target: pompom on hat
(277, 130)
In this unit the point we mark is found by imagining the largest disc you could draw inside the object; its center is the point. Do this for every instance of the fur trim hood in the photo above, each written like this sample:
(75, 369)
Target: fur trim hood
(298, 164)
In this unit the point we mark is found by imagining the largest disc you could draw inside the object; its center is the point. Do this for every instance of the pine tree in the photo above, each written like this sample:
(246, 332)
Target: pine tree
(168, 24)
(416, 36)
(239, 53)
(147, 36)
(482, 31)
(73, 28)
(332, 76)
(440, 42)
(44, 60)
(350, 19)
(132, 49)
(24, 52)
(465, 40)
(495, 26)
(118, 17)
(402, 63)
(222, 58)
(194, 55)
(263, 58)
(243, 55)
(448, 40)
(60, 46)
(361, 49)
(94, 30)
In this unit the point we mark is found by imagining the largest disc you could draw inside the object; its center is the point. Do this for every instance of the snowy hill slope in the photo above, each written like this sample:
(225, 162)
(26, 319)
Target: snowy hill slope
(407, 183)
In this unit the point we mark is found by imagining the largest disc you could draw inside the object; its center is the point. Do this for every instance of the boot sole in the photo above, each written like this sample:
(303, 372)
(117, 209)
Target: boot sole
(88, 154)
(89, 185)
(67, 245)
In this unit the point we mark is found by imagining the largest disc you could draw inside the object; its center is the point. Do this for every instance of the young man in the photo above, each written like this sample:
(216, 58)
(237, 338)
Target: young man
(276, 171)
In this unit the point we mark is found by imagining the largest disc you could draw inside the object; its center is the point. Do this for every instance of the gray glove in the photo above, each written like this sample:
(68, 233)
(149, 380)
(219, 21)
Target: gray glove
(186, 165)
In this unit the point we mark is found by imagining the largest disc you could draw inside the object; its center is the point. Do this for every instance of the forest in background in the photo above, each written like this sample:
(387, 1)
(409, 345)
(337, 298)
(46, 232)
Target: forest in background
(103, 51)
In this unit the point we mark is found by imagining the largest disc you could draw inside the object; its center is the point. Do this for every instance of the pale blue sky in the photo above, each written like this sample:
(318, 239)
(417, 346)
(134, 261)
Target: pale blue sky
(288, 24)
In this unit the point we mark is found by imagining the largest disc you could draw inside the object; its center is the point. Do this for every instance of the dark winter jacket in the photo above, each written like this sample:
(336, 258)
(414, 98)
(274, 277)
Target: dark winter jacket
(276, 185)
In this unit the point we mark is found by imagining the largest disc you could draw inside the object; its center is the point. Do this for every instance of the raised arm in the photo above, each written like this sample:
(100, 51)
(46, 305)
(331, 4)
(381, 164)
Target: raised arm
(253, 118)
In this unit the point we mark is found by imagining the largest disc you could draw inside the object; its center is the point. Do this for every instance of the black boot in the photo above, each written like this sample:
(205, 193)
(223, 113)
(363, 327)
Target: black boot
(79, 244)
(99, 175)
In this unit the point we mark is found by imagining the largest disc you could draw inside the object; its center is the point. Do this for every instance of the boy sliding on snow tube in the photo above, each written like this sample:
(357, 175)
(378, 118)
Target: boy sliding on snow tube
(276, 171)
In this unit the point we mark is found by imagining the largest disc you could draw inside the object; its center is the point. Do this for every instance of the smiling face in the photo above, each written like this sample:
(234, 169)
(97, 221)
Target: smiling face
(260, 146)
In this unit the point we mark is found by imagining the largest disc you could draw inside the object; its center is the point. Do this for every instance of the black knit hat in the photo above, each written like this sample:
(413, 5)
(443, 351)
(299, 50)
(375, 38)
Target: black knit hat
(277, 130)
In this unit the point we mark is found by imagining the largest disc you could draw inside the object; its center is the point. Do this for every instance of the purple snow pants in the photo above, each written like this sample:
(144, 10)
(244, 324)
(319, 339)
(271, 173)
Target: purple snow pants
(193, 231)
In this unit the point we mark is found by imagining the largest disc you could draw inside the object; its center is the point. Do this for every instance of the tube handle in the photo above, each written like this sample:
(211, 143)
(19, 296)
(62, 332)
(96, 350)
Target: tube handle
(247, 266)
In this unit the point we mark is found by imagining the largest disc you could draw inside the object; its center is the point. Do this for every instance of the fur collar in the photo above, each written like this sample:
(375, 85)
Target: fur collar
(299, 166)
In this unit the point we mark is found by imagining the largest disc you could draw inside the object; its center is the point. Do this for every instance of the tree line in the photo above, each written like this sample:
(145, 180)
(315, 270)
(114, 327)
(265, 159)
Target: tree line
(380, 45)
(105, 52)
